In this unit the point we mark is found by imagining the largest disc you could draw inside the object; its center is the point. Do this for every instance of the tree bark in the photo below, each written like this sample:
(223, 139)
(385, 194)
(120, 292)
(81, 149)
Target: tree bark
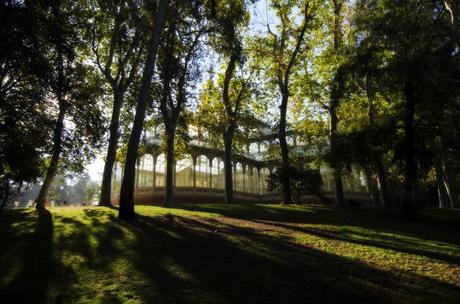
(372, 187)
(169, 195)
(385, 200)
(52, 168)
(106, 186)
(285, 178)
(336, 91)
(228, 166)
(408, 206)
(443, 198)
(337, 170)
(450, 186)
(126, 209)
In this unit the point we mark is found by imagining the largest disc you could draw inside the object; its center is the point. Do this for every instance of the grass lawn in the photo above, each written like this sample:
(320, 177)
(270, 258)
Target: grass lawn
(229, 254)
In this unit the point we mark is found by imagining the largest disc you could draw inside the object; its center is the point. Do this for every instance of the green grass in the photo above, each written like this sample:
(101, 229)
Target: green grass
(229, 254)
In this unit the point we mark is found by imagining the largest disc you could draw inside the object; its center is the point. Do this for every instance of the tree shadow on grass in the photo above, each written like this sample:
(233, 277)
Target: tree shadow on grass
(34, 266)
(174, 259)
(203, 262)
(436, 228)
(418, 247)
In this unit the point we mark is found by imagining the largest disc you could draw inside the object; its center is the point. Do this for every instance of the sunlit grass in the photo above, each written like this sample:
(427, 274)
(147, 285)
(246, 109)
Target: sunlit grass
(229, 254)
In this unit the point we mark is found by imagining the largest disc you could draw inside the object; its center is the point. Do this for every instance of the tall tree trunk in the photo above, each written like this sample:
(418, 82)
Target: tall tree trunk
(382, 183)
(228, 165)
(285, 178)
(408, 206)
(126, 209)
(379, 168)
(170, 136)
(337, 170)
(52, 168)
(451, 187)
(443, 198)
(5, 192)
(372, 187)
(106, 186)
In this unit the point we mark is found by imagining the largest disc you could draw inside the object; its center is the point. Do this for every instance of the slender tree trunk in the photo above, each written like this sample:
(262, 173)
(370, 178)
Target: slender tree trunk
(5, 193)
(285, 178)
(408, 206)
(106, 186)
(169, 196)
(337, 170)
(451, 187)
(372, 187)
(51, 171)
(382, 183)
(126, 209)
(442, 192)
(228, 166)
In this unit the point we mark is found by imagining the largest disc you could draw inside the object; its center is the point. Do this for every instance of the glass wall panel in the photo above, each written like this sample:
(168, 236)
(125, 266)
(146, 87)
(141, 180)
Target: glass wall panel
(255, 181)
(217, 172)
(202, 172)
(160, 171)
(184, 172)
(239, 177)
(145, 172)
(264, 174)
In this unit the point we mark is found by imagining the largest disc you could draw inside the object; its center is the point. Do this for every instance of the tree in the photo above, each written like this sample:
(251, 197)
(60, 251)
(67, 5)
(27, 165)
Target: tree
(116, 40)
(227, 19)
(24, 120)
(126, 210)
(179, 51)
(278, 55)
(72, 88)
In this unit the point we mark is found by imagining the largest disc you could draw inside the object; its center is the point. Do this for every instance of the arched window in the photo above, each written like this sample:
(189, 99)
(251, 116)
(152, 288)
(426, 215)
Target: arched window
(263, 146)
(253, 148)
(217, 172)
(202, 172)
(160, 171)
(184, 172)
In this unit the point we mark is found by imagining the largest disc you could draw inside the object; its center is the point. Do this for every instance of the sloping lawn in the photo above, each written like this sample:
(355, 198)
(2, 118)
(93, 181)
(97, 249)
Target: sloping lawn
(229, 254)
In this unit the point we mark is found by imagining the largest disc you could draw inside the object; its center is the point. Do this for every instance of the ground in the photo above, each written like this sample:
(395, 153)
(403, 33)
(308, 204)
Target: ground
(229, 254)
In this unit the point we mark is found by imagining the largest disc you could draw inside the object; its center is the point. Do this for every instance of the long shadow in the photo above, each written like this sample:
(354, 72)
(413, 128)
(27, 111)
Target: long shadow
(36, 266)
(259, 268)
(379, 241)
(387, 220)
(174, 259)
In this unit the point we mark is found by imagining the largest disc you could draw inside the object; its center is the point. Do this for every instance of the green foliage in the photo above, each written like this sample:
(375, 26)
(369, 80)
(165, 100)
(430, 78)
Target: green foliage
(304, 181)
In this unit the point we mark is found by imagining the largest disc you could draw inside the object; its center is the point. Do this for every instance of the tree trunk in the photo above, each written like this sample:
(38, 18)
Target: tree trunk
(338, 184)
(451, 187)
(106, 186)
(170, 136)
(126, 209)
(51, 171)
(408, 206)
(228, 166)
(5, 193)
(382, 183)
(285, 178)
(443, 198)
(372, 187)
